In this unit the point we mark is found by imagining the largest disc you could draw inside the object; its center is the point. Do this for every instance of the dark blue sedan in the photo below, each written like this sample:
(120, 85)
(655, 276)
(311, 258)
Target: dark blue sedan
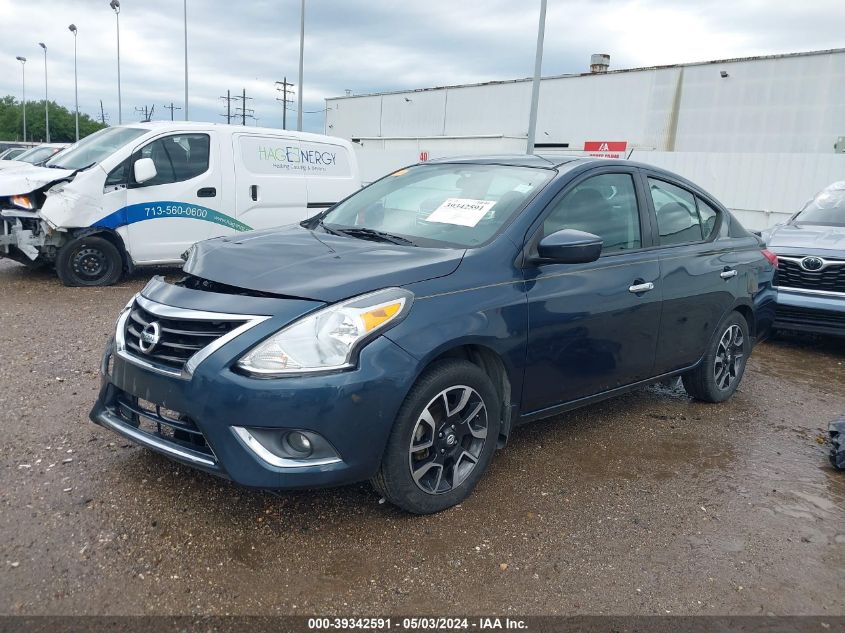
(401, 335)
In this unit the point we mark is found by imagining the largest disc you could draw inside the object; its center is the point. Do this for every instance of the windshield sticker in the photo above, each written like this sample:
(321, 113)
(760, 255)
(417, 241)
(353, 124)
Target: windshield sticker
(522, 188)
(461, 211)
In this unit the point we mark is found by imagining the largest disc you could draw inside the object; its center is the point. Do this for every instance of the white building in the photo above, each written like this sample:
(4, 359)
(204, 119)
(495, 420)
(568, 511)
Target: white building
(780, 108)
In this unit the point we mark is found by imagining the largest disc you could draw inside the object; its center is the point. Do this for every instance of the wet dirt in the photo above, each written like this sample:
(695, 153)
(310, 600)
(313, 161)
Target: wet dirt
(649, 504)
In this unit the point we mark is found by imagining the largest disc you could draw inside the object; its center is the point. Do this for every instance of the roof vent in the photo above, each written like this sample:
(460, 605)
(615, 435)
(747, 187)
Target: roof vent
(599, 63)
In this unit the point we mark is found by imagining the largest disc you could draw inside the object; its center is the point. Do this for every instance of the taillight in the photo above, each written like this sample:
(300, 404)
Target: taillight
(773, 259)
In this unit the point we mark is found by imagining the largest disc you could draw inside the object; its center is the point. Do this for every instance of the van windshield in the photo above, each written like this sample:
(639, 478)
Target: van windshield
(459, 204)
(95, 148)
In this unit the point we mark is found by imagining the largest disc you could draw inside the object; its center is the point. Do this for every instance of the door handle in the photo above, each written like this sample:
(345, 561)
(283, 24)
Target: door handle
(728, 273)
(207, 192)
(641, 287)
(253, 192)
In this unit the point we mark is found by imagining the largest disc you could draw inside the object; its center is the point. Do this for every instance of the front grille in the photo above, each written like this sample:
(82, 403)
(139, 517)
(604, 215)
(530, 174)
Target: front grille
(791, 275)
(180, 338)
(788, 315)
(171, 426)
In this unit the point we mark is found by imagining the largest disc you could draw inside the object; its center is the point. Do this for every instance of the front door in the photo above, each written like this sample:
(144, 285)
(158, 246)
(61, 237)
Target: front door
(593, 327)
(167, 214)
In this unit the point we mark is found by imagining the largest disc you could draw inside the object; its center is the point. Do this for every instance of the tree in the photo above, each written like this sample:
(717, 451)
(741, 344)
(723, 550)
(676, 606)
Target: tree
(62, 127)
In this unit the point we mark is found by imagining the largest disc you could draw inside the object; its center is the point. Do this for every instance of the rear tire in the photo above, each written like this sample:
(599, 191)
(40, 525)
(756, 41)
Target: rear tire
(442, 440)
(718, 375)
(89, 261)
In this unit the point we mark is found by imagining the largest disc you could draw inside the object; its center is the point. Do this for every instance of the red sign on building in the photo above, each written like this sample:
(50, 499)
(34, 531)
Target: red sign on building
(606, 149)
(423, 156)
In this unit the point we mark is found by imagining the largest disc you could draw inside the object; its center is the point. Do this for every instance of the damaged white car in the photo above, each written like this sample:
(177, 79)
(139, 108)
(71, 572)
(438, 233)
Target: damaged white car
(141, 195)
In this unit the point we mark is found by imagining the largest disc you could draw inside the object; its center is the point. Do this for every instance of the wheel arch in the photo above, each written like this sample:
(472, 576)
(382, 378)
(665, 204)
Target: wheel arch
(489, 361)
(113, 237)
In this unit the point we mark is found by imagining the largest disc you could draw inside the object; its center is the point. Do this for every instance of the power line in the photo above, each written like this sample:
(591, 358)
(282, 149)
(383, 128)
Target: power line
(146, 111)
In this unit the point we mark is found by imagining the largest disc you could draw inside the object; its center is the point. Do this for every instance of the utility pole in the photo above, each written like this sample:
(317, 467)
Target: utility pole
(228, 98)
(147, 112)
(301, 57)
(171, 107)
(284, 89)
(102, 113)
(535, 86)
(245, 112)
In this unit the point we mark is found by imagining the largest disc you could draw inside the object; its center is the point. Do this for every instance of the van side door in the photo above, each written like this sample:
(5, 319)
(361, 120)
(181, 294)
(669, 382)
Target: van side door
(177, 207)
(328, 174)
(270, 185)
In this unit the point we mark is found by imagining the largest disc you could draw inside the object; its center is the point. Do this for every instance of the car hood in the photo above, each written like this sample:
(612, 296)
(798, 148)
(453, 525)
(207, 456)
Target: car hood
(806, 237)
(29, 178)
(296, 262)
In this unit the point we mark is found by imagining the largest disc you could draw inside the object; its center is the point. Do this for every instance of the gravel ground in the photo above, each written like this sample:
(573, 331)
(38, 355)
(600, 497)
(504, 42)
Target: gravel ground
(647, 504)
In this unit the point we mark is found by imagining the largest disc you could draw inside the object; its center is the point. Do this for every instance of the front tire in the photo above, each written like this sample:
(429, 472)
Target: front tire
(718, 375)
(89, 261)
(443, 439)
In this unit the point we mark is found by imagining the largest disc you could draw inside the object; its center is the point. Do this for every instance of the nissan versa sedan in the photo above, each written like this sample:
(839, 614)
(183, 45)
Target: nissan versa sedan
(811, 272)
(401, 335)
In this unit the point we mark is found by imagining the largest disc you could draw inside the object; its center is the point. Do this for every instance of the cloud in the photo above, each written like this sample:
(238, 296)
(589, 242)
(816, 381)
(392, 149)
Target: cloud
(372, 45)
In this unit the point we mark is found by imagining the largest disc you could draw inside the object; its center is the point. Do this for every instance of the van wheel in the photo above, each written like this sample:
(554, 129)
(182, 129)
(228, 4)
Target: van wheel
(718, 375)
(89, 261)
(443, 439)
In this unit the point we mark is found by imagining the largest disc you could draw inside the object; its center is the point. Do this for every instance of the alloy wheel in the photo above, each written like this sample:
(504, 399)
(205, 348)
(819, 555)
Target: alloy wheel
(448, 439)
(730, 355)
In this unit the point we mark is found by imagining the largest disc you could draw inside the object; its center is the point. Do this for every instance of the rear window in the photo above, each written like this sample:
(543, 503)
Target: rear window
(279, 156)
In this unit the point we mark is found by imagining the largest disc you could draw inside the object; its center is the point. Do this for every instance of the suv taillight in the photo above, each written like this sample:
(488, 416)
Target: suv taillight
(773, 259)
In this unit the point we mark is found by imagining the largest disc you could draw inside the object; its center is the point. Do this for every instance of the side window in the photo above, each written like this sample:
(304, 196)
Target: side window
(118, 175)
(604, 205)
(177, 158)
(677, 217)
(709, 218)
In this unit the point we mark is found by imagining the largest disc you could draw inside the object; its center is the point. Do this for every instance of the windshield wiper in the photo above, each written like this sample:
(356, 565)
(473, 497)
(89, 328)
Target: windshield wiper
(372, 234)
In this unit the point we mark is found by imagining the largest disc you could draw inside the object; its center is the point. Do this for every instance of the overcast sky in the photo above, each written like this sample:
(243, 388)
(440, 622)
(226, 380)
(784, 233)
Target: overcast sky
(372, 45)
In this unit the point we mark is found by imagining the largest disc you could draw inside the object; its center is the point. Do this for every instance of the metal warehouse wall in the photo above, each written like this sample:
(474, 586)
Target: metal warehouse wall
(790, 103)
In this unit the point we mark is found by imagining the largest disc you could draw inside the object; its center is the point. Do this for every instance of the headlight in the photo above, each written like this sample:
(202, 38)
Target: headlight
(23, 202)
(328, 339)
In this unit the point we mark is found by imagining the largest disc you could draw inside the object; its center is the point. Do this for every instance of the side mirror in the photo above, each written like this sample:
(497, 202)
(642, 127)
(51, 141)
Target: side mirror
(144, 170)
(570, 247)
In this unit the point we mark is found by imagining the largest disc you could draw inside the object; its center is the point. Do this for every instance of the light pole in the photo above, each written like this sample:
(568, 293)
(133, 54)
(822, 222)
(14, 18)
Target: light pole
(72, 29)
(535, 86)
(115, 5)
(22, 60)
(46, 96)
(185, 7)
(301, 53)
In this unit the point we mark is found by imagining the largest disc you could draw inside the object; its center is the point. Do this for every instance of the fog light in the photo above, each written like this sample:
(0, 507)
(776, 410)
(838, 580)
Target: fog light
(299, 443)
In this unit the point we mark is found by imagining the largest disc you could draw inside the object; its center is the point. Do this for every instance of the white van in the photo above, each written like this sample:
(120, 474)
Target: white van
(142, 194)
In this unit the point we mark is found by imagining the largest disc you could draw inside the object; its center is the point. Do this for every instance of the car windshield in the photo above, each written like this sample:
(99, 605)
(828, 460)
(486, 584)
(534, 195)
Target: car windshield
(37, 155)
(461, 205)
(95, 148)
(827, 208)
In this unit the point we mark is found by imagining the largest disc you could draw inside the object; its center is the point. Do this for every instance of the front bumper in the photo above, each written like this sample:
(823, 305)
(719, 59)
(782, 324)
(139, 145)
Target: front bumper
(808, 311)
(352, 410)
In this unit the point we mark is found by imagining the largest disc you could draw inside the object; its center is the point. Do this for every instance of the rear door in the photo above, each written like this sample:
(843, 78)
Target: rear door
(701, 271)
(270, 181)
(593, 327)
(167, 214)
